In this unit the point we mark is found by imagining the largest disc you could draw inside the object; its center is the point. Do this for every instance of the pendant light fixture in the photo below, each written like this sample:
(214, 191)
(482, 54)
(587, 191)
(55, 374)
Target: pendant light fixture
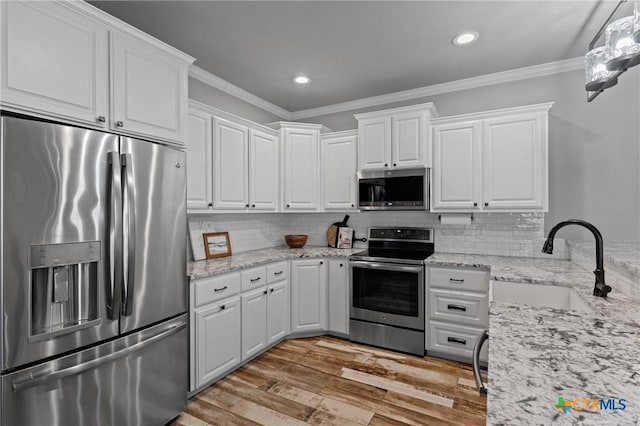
(621, 51)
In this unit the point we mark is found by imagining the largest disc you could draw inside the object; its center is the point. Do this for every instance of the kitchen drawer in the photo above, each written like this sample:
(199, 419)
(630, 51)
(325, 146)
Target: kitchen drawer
(277, 272)
(459, 279)
(209, 290)
(254, 278)
(456, 340)
(466, 308)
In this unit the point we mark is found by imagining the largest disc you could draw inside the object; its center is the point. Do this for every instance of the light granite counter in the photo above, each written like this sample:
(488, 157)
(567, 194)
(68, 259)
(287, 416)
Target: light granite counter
(623, 254)
(535, 354)
(538, 354)
(207, 268)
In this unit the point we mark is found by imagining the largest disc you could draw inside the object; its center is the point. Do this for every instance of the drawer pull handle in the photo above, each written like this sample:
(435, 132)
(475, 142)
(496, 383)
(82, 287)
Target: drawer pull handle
(456, 340)
(220, 289)
(264, 292)
(253, 280)
(457, 308)
(278, 273)
(222, 307)
(455, 280)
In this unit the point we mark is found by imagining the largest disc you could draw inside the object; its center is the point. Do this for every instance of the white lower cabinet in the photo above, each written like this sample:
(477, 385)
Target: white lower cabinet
(254, 326)
(277, 312)
(457, 311)
(339, 296)
(308, 295)
(217, 346)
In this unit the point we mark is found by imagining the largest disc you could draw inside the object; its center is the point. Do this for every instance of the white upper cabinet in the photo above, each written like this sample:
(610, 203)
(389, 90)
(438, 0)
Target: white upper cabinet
(492, 161)
(230, 153)
(54, 62)
(149, 92)
(376, 152)
(339, 170)
(199, 159)
(395, 138)
(72, 62)
(515, 161)
(301, 166)
(456, 166)
(263, 171)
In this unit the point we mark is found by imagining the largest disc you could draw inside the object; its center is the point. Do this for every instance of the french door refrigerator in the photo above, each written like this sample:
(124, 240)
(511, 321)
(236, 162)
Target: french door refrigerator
(93, 265)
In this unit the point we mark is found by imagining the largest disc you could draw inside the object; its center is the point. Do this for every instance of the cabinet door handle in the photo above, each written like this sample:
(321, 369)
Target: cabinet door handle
(321, 262)
(394, 164)
(246, 205)
(455, 280)
(101, 119)
(475, 204)
(220, 289)
(353, 205)
(287, 205)
(264, 292)
(253, 205)
(119, 124)
(457, 308)
(210, 204)
(386, 165)
(222, 307)
(271, 291)
(486, 204)
(253, 280)
(278, 273)
(456, 340)
(341, 265)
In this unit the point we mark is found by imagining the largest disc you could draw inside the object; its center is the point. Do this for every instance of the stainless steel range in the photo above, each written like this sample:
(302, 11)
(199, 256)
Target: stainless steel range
(387, 288)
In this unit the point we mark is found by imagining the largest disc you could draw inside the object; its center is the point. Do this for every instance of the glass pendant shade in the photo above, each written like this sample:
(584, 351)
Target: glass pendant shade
(636, 22)
(595, 66)
(620, 43)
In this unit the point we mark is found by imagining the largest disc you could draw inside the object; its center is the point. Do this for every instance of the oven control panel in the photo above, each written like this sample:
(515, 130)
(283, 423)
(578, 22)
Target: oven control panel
(415, 234)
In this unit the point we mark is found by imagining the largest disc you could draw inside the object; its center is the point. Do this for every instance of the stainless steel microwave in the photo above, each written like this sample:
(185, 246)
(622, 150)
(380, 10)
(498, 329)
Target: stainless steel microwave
(393, 189)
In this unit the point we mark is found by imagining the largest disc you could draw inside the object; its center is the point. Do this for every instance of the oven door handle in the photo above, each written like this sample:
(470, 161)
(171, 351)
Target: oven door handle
(385, 266)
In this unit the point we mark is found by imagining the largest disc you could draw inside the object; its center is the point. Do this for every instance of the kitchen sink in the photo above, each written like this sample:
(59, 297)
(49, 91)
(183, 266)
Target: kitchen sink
(539, 295)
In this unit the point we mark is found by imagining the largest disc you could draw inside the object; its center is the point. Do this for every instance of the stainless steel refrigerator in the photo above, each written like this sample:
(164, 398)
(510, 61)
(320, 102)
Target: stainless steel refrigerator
(93, 264)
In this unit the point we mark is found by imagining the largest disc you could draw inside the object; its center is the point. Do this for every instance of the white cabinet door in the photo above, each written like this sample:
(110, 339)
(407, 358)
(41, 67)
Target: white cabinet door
(409, 140)
(263, 171)
(301, 169)
(254, 325)
(54, 61)
(308, 295)
(338, 296)
(198, 144)
(457, 166)
(374, 143)
(339, 172)
(277, 311)
(149, 92)
(230, 143)
(514, 162)
(218, 339)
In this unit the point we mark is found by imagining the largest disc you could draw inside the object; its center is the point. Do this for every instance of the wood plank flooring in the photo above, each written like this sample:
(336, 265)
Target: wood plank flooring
(330, 381)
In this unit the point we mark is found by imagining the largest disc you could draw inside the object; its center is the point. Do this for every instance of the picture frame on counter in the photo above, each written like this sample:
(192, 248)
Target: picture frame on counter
(216, 244)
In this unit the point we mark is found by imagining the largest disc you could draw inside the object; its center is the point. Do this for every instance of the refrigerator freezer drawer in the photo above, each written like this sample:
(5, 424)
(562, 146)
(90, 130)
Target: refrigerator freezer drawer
(139, 379)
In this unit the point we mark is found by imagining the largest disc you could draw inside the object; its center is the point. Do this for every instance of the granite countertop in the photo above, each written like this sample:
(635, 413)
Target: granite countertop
(624, 254)
(206, 268)
(539, 354)
(535, 354)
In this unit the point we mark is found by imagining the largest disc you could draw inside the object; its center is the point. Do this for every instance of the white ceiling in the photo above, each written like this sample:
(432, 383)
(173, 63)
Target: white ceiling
(358, 49)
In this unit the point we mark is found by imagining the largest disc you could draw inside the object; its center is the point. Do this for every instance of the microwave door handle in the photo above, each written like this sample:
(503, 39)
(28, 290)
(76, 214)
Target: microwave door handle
(386, 266)
(114, 237)
(130, 232)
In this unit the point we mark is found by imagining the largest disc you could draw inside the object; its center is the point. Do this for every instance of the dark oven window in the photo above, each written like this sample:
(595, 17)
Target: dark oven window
(391, 292)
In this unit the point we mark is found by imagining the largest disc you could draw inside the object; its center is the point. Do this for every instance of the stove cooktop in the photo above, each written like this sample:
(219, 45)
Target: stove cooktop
(397, 245)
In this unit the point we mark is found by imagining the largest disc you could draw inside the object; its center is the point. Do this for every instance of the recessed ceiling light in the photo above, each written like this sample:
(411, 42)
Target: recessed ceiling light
(465, 38)
(301, 79)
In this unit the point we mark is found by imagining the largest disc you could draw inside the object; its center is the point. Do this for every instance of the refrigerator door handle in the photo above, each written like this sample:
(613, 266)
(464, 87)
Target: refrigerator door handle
(114, 238)
(130, 235)
(49, 376)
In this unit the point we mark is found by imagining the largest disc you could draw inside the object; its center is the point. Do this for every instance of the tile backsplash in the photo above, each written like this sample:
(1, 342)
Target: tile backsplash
(503, 234)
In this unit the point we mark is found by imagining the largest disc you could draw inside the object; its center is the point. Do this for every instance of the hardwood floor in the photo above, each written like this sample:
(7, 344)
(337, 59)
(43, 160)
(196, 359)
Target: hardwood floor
(330, 381)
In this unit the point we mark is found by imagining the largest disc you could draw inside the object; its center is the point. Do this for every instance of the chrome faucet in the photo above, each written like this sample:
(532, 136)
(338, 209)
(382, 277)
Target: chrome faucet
(600, 289)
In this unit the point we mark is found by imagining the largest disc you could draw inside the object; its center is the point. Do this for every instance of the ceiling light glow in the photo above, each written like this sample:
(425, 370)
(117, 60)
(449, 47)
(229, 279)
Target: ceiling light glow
(301, 79)
(465, 38)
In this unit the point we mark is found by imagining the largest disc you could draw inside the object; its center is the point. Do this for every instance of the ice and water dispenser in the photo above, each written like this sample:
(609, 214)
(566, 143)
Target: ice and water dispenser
(64, 287)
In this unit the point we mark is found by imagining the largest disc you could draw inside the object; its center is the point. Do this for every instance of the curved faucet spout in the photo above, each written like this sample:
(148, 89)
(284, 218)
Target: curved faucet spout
(600, 289)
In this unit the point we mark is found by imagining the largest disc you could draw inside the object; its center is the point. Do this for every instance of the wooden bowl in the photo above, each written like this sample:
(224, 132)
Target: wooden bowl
(296, 241)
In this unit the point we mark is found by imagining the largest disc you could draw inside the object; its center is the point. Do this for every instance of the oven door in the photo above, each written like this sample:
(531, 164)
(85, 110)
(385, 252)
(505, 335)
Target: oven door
(387, 293)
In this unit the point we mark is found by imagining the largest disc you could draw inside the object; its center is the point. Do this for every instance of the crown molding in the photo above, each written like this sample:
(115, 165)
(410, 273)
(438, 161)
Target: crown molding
(541, 70)
(233, 90)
